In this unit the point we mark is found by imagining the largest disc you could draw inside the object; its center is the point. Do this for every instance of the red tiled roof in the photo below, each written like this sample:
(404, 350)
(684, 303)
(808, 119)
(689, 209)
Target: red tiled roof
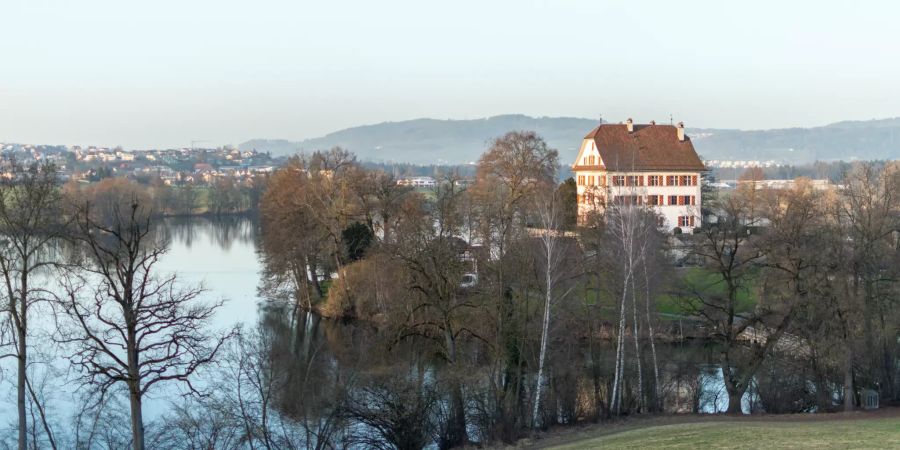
(648, 147)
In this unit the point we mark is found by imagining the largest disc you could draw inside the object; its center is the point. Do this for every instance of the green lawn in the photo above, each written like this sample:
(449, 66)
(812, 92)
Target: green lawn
(670, 305)
(711, 283)
(788, 434)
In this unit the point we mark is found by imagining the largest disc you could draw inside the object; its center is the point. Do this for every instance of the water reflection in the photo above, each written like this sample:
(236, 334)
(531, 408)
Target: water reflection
(223, 232)
(353, 360)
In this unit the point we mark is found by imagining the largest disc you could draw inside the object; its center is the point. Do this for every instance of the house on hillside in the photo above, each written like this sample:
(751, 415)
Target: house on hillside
(631, 164)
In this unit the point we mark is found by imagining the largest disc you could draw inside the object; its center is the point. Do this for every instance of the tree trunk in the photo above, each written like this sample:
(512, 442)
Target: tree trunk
(615, 398)
(544, 332)
(134, 384)
(635, 333)
(456, 428)
(137, 418)
(314, 272)
(22, 336)
(735, 390)
(657, 404)
(734, 402)
(848, 382)
(20, 394)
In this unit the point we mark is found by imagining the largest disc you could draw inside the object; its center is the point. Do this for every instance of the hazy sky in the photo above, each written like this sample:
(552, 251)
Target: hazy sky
(164, 73)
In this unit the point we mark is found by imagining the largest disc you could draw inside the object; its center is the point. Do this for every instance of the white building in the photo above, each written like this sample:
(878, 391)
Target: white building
(417, 182)
(651, 165)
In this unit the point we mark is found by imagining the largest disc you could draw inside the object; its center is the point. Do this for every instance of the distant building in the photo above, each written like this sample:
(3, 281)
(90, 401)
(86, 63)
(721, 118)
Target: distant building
(631, 164)
(417, 182)
(821, 185)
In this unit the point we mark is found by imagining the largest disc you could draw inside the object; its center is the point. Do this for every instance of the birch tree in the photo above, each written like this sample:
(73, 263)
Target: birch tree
(550, 211)
(630, 228)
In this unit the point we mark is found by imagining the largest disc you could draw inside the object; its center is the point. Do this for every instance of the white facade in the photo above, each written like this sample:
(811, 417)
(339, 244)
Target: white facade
(677, 204)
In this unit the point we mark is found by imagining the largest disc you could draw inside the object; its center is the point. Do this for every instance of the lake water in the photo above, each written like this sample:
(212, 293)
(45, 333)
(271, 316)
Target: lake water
(218, 253)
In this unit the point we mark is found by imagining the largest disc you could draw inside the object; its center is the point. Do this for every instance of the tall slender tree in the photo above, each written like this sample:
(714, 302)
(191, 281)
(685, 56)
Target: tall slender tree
(29, 225)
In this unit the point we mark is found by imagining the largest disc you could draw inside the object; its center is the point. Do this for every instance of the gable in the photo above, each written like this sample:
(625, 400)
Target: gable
(588, 149)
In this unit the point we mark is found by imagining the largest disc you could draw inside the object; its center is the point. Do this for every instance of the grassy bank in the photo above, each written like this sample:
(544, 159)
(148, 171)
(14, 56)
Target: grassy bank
(788, 432)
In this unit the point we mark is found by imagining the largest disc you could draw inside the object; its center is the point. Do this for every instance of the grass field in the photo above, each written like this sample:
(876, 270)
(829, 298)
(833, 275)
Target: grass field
(713, 285)
(878, 432)
(671, 306)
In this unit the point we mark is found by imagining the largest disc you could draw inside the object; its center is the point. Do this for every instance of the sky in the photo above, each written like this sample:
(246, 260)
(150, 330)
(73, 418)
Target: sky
(166, 73)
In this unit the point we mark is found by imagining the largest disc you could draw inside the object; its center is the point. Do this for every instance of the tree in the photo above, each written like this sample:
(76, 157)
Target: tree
(357, 238)
(553, 251)
(630, 231)
(568, 192)
(30, 222)
(132, 326)
(433, 258)
(728, 251)
(293, 241)
(863, 234)
(331, 203)
(515, 167)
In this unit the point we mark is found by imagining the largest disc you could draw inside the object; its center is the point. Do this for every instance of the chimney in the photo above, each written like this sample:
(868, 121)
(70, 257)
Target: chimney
(680, 129)
(630, 124)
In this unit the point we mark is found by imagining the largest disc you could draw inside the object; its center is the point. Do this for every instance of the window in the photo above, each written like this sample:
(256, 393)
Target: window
(581, 180)
(685, 221)
(602, 180)
(673, 199)
(618, 180)
(694, 180)
(671, 180)
(591, 180)
(684, 180)
(591, 160)
(631, 180)
(653, 180)
(654, 200)
(628, 200)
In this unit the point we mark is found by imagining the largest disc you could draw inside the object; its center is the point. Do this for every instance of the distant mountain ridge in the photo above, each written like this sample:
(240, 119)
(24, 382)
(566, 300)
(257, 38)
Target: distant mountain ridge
(427, 141)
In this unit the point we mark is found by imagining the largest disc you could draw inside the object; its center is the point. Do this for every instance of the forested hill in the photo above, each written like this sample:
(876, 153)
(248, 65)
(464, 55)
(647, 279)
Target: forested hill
(460, 141)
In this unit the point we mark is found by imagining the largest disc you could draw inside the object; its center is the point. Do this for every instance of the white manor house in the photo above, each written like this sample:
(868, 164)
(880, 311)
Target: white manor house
(631, 164)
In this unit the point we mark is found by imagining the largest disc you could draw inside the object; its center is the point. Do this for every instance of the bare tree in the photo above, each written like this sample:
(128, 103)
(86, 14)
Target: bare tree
(433, 258)
(553, 247)
(29, 224)
(128, 324)
(630, 227)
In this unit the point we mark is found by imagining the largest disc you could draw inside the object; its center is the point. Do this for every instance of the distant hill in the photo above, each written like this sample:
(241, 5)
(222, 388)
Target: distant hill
(427, 141)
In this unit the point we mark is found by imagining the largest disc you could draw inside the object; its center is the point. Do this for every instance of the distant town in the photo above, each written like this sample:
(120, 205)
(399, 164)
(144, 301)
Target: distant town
(172, 166)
